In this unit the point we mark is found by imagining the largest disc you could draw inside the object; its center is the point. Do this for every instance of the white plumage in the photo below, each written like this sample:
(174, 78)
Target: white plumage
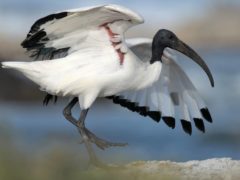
(86, 56)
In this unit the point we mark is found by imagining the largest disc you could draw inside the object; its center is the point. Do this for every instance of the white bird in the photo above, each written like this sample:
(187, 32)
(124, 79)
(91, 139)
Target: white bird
(83, 54)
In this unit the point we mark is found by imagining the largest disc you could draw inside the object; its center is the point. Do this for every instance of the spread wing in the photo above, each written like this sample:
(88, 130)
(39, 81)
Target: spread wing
(172, 91)
(60, 34)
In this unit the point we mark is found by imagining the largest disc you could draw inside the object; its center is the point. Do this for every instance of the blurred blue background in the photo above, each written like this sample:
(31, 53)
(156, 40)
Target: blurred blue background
(210, 27)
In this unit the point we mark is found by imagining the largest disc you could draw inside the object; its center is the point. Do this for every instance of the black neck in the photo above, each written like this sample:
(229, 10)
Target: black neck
(157, 52)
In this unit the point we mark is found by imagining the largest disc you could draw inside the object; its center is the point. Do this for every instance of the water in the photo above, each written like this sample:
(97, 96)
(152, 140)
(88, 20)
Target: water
(33, 124)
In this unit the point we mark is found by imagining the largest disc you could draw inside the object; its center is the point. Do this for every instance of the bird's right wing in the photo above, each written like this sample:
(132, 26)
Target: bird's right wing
(173, 91)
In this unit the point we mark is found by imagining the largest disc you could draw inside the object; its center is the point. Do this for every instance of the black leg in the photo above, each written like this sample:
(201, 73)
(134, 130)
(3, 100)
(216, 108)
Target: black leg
(87, 136)
(67, 112)
(101, 143)
(85, 139)
(68, 115)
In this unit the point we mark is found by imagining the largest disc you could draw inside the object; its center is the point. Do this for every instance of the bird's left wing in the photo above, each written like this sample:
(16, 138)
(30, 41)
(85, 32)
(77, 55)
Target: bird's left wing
(172, 91)
(60, 34)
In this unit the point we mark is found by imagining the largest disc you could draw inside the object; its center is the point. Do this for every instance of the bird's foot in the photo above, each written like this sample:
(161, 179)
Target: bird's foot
(97, 163)
(102, 144)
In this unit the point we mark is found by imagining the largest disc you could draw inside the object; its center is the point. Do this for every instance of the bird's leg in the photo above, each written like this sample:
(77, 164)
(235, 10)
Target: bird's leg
(86, 140)
(102, 144)
(80, 124)
(88, 137)
(68, 115)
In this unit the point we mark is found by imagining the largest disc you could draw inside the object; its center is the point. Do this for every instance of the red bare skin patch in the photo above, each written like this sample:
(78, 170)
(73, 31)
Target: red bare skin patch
(114, 44)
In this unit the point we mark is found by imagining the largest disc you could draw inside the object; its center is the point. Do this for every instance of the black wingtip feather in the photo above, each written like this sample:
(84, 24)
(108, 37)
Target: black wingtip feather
(133, 106)
(155, 115)
(116, 99)
(36, 26)
(34, 40)
(206, 114)
(199, 124)
(37, 38)
(170, 121)
(187, 126)
(143, 110)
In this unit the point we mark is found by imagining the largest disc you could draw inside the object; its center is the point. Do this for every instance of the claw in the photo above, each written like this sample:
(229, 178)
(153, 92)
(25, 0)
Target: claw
(102, 144)
(99, 164)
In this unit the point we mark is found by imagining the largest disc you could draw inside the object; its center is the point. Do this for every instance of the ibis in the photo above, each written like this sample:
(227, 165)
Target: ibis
(83, 54)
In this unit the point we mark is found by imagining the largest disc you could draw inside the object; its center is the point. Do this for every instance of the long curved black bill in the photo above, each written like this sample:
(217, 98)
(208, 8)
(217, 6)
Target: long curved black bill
(188, 51)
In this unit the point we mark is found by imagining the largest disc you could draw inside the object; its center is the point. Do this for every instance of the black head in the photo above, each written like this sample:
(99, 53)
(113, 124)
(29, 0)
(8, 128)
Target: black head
(165, 38)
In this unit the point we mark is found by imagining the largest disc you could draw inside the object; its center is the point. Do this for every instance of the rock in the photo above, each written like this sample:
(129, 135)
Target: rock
(217, 168)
